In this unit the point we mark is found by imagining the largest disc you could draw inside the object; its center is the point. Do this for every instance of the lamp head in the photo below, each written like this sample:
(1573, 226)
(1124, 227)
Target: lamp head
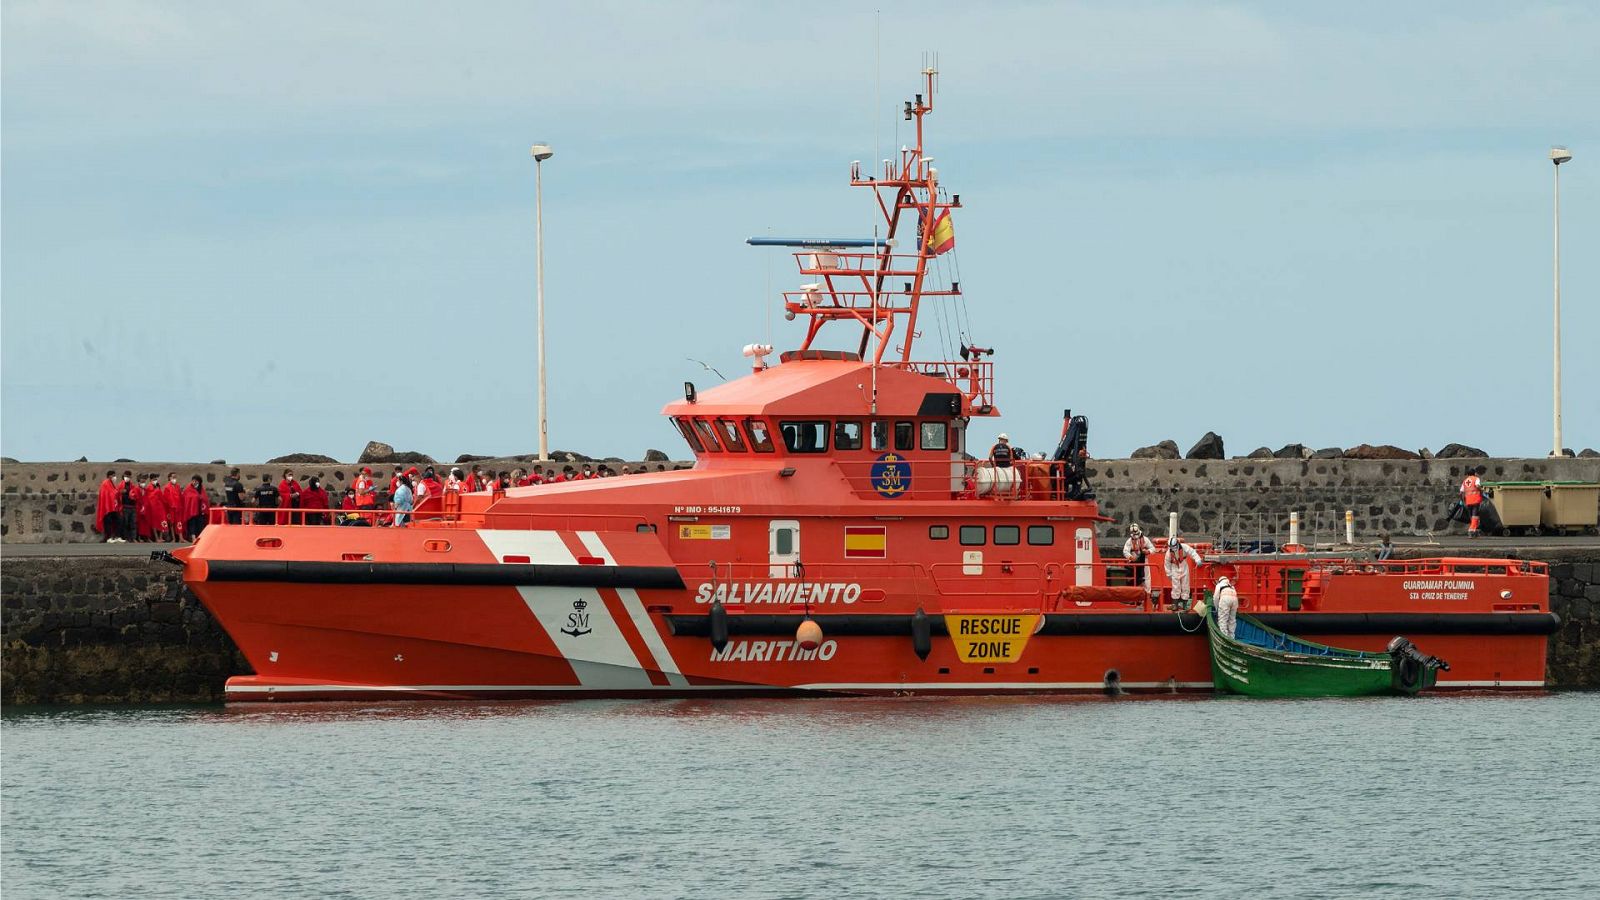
(542, 152)
(1559, 155)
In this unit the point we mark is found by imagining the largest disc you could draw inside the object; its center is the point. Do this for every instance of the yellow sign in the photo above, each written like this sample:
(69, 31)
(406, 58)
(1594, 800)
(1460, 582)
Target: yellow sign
(990, 638)
(705, 532)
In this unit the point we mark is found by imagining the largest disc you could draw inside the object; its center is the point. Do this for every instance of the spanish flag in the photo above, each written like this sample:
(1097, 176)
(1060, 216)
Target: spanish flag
(865, 542)
(942, 236)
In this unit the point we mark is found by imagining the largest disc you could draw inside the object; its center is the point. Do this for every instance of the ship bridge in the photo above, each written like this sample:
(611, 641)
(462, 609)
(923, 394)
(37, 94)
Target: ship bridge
(892, 432)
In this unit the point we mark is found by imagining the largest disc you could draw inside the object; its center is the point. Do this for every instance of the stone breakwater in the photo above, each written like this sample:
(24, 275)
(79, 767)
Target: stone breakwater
(1227, 498)
(46, 503)
(53, 503)
(107, 630)
(124, 630)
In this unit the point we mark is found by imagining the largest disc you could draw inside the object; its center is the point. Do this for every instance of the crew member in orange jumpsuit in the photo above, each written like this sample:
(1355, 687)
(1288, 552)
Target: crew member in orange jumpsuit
(366, 495)
(1472, 497)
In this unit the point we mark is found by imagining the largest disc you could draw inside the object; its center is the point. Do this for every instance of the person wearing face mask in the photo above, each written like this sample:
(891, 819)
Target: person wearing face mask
(314, 500)
(108, 510)
(128, 504)
(289, 497)
(152, 514)
(173, 495)
(1179, 555)
(196, 507)
(1226, 598)
(402, 500)
(1136, 549)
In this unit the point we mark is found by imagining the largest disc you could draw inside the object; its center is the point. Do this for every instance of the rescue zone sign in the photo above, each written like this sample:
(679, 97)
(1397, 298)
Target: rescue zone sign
(990, 638)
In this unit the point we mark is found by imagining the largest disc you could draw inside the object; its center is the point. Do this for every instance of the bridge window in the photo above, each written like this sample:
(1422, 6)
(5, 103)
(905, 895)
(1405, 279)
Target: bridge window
(689, 435)
(760, 438)
(904, 435)
(1041, 535)
(708, 435)
(972, 535)
(1007, 535)
(730, 435)
(847, 435)
(938, 532)
(880, 436)
(933, 436)
(805, 437)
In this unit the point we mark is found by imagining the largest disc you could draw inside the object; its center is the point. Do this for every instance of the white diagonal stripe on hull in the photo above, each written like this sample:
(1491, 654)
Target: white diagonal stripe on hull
(598, 652)
(540, 547)
(636, 612)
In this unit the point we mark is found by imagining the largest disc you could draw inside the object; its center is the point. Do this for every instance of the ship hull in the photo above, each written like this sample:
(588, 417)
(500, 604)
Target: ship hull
(344, 642)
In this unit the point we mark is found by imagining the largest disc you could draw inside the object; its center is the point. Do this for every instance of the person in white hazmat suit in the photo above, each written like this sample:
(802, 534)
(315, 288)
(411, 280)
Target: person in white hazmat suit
(1136, 549)
(1226, 598)
(1177, 565)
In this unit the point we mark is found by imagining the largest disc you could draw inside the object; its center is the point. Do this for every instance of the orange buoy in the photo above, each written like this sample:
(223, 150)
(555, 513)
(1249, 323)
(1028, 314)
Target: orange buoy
(808, 635)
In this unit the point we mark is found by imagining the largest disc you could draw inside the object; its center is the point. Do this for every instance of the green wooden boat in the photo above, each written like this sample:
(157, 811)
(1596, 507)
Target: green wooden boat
(1263, 662)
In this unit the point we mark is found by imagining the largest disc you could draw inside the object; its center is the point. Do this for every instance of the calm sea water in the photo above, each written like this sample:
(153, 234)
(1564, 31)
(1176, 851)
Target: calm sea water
(1437, 796)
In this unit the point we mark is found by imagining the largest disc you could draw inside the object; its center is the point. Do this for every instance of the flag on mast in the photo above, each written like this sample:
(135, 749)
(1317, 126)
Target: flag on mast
(942, 236)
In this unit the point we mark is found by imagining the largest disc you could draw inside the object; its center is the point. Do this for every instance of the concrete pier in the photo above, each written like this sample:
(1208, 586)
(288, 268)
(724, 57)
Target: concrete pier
(91, 623)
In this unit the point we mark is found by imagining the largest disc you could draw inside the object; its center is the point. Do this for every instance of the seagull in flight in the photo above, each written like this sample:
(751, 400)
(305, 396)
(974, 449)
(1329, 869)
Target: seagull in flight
(707, 368)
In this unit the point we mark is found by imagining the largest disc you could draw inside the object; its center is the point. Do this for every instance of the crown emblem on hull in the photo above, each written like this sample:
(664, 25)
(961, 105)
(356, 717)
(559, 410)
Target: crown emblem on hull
(578, 619)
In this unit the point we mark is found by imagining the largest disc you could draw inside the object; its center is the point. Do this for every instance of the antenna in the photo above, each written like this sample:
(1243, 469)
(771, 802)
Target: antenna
(877, 150)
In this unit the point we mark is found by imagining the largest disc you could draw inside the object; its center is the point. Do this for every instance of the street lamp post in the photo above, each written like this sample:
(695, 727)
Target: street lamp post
(1558, 155)
(542, 152)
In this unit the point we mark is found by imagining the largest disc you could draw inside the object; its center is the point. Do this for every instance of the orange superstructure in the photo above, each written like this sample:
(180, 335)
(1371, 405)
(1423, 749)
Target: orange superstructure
(834, 487)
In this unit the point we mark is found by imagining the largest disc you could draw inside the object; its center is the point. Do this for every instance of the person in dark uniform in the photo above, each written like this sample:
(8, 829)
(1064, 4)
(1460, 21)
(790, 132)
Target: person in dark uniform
(128, 500)
(266, 500)
(1001, 453)
(233, 496)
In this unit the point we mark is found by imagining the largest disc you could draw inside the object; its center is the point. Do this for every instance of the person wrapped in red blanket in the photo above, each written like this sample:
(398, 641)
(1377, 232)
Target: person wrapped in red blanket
(195, 508)
(108, 510)
(314, 501)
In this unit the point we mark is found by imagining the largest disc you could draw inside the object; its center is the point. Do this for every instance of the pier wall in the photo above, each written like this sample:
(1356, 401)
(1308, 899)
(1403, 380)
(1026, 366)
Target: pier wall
(47, 503)
(1217, 498)
(124, 630)
(107, 629)
(53, 503)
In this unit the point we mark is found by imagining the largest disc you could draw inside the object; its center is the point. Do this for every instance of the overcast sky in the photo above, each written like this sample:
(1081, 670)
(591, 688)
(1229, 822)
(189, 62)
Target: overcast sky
(241, 230)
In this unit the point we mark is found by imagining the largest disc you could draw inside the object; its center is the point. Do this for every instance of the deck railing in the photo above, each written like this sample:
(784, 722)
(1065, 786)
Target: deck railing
(429, 515)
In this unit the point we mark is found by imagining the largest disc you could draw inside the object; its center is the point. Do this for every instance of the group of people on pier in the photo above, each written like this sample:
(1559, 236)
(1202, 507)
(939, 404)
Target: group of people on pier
(146, 509)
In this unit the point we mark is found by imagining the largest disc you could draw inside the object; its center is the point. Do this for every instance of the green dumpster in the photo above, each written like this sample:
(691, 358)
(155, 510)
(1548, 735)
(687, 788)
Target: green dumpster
(1517, 502)
(1570, 505)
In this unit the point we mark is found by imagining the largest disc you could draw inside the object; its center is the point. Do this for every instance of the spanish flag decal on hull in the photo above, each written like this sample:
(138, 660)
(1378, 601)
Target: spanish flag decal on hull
(865, 542)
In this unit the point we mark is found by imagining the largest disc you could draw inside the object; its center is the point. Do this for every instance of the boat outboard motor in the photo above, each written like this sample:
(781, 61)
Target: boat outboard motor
(1401, 646)
(1074, 451)
(1411, 663)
